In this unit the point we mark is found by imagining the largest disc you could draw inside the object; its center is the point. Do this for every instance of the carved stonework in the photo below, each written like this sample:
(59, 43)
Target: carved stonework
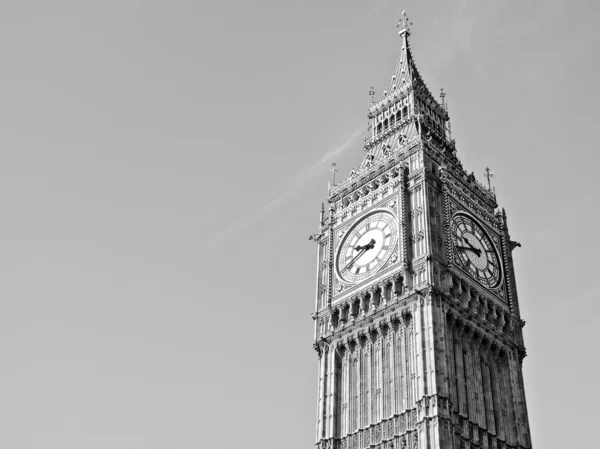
(402, 424)
(396, 332)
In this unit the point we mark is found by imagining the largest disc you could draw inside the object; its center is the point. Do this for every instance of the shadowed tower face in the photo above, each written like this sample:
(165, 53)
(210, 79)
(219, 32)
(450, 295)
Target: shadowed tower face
(417, 325)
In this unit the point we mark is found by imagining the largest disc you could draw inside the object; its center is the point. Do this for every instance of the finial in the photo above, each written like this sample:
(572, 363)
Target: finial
(333, 171)
(372, 93)
(489, 175)
(404, 24)
(442, 96)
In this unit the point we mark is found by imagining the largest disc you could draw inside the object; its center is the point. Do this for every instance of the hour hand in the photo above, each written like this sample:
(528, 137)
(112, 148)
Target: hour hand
(466, 240)
(366, 246)
(470, 248)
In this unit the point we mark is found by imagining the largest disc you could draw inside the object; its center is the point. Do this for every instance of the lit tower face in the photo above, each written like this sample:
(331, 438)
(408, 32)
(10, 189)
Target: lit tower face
(418, 332)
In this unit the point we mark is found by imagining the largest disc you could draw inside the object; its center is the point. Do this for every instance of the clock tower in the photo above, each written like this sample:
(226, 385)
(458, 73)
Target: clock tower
(417, 325)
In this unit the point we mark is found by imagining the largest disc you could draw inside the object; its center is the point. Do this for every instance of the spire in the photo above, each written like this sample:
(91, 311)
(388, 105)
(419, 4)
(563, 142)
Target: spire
(406, 110)
(406, 77)
(403, 74)
(406, 74)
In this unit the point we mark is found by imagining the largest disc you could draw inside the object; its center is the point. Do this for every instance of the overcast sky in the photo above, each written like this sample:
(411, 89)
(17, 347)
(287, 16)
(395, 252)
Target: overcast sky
(162, 164)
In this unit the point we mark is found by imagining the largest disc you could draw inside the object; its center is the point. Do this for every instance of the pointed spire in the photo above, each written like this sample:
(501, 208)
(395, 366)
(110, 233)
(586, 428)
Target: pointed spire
(489, 175)
(322, 214)
(407, 107)
(333, 171)
(403, 74)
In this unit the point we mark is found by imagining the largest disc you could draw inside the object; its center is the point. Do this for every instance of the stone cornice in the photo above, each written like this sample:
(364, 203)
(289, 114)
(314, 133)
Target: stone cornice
(452, 167)
(359, 179)
(373, 195)
(399, 310)
(480, 326)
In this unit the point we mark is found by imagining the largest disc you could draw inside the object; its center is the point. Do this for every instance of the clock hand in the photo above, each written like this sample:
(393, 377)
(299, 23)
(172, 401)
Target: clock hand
(475, 250)
(361, 252)
(366, 246)
(467, 241)
(362, 249)
(371, 244)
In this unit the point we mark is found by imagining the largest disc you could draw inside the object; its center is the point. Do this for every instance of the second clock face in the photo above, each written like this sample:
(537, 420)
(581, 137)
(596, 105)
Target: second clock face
(367, 246)
(475, 250)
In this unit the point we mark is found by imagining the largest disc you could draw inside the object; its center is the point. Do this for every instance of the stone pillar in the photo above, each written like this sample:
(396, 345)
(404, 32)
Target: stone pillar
(345, 387)
(322, 413)
(369, 380)
(452, 382)
(469, 373)
(333, 402)
(480, 399)
(379, 358)
(430, 367)
(393, 370)
(320, 381)
(498, 398)
(487, 388)
(419, 349)
(460, 370)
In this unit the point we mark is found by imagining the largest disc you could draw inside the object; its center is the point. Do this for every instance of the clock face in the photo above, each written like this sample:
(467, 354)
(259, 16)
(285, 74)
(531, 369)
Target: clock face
(475, 250)
(367, 246)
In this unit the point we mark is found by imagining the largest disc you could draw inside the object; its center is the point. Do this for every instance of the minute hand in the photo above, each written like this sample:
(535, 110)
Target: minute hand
(475, 250)
(360, 253)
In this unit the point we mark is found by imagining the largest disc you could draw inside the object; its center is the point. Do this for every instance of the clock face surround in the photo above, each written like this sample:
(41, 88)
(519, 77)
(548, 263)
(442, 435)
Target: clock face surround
(475, 251)
(367, 246)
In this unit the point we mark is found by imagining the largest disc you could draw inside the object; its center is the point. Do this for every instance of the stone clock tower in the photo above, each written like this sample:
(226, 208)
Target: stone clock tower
(417, 325)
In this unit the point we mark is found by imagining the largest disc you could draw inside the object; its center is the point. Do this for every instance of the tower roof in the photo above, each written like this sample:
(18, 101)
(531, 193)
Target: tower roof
(406, 87)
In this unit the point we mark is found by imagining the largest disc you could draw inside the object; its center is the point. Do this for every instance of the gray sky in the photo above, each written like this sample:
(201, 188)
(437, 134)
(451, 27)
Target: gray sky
(162, 164)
